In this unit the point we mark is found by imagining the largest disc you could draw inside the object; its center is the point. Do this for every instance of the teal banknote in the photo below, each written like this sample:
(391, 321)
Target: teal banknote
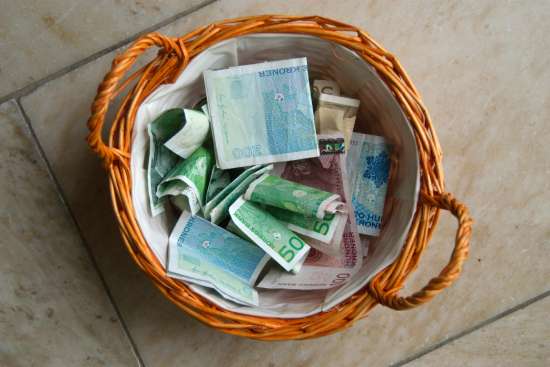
(188, 181)
(261, 113)
(203, 253)
(369, 160)
(283, 245)
(161, 159)
(306, 200)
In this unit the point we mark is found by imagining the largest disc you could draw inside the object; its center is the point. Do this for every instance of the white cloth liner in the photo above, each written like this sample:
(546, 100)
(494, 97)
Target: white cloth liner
(379, 113)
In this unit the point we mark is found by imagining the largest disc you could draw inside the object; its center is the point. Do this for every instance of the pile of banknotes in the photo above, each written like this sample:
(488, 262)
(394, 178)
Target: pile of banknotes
(272, 187)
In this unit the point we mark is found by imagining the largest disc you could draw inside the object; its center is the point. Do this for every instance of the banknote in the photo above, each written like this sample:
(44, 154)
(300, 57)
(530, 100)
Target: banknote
(336, 113)
(323, 234)
(370, 156)
(225, 191)
(191, 136)
(219, 179)
(283, 245)
(306, 200)
(319, 271)
(221, 210)
(327, 265)
(326, 87)
(326, 172)
(261, 113)
(232, 227)
(188, 180)
(203, 253)
(161, 159)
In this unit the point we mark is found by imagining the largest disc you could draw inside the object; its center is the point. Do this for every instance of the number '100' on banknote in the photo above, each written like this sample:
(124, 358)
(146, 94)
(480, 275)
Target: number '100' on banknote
(261, 113)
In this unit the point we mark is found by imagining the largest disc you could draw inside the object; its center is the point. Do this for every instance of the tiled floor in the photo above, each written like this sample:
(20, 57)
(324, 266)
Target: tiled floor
(481, 66)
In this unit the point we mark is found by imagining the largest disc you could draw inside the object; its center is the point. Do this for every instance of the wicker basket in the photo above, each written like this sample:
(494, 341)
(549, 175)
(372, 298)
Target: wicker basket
(172, 58)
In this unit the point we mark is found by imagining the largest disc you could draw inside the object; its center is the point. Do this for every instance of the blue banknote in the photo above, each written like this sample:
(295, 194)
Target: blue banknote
(369, 164)
(203, 253)
(261, 113)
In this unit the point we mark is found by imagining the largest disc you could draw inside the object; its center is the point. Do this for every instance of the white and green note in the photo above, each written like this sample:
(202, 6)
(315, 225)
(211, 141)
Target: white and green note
(283, 245)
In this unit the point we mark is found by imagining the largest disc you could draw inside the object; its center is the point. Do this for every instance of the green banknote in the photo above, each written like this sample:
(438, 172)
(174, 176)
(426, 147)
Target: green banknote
(219, 179)
(191, 136)
(161, 159)
(221, 210)
(308, 201)
(267, 232)
(232, 227)
(188, 180)
(210, 204)
(326, 230)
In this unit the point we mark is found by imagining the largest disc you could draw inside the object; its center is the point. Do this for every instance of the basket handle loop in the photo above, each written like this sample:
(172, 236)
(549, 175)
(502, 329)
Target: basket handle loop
(107, 90)
(450, 272)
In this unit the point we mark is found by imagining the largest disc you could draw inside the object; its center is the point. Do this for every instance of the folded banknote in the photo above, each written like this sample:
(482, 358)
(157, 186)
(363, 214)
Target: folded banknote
(161, 159)
(369, 156)
(203, 253)
(261, 113)
(328, 264)
(188, 180)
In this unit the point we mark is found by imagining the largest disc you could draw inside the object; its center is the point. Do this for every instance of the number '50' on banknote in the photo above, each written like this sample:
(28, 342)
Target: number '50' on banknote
(272, 236)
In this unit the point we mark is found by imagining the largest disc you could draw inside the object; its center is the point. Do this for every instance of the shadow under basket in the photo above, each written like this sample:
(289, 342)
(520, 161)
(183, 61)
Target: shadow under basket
(390, 107)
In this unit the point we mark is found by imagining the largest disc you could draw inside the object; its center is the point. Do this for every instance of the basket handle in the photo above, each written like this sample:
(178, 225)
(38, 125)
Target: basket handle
(107, 90)
(448, 275)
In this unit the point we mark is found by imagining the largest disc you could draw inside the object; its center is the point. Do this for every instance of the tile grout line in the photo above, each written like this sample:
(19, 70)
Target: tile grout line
(479, 326)
(29, 88)
(42, 154)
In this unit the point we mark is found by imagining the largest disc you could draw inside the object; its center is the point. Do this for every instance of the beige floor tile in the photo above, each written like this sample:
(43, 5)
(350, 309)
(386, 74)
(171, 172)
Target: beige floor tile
(38, 38)
(53, 308)
(481, 69)
(519, 339)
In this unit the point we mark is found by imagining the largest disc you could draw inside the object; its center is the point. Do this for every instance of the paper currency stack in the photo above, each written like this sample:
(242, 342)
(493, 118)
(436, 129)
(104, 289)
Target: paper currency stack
(269, 192)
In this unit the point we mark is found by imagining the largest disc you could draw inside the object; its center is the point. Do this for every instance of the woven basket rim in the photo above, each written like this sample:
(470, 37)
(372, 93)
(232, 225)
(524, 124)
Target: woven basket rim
(172, 58)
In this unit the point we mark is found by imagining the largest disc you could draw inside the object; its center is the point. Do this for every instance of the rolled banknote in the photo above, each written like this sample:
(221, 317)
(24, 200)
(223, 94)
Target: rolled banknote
(284, 246)
(221, 210)
(306, 200)
(326, 87)
(370, 156)
(261, 113)
(219, 179)
(336, 113)
(191, 136)
(203, 253)
(161, 159)
(188, 180)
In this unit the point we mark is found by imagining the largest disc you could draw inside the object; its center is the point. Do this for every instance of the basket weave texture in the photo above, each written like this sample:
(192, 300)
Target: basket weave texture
(173, 56)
